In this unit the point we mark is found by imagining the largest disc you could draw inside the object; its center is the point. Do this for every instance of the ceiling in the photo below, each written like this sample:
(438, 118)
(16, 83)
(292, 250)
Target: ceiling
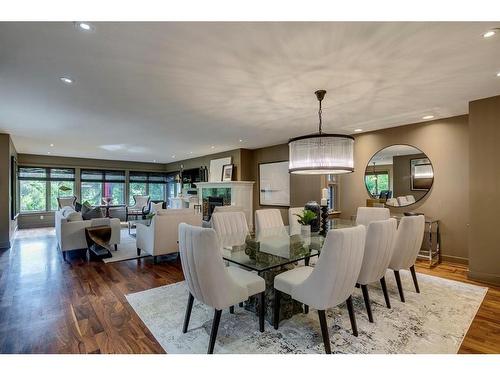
(386, 155)
(152, 91)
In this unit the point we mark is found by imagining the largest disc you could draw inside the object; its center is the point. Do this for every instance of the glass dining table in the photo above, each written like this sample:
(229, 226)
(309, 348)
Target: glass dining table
(271, 252)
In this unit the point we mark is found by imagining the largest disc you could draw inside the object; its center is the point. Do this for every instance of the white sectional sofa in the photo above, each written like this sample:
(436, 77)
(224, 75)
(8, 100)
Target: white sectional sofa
(70, 229)
(161, 236)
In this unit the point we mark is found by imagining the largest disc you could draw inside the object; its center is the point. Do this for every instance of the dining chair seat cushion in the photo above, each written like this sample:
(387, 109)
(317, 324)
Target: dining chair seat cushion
(249, 280)
(287, 281)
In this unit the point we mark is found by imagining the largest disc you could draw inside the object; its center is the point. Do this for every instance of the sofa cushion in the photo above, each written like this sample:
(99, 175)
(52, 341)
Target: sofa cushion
(74, 216)
(65, 211)
(94, 213)
(155, 207)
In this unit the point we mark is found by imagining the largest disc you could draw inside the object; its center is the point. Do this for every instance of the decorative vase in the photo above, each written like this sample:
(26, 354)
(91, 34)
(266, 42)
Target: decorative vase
(314, 207)
(305, 233)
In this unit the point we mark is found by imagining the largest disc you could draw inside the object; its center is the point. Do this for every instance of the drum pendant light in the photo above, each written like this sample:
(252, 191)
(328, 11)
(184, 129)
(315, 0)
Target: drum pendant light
(321, 153)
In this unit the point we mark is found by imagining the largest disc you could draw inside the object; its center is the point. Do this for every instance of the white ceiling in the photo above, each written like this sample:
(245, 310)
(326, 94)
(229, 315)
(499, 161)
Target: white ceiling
(386, 155)
(147, 91)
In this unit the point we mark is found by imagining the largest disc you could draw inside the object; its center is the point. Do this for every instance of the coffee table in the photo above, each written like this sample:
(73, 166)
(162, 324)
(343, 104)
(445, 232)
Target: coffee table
(132, 224)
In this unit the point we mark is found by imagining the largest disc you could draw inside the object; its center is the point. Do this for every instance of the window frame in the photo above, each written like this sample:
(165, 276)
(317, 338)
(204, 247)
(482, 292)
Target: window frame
(117, 176)
(48, 179)
(148, 178)
(377, 173)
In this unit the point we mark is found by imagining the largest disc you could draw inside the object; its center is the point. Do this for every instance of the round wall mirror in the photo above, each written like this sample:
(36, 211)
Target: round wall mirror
(399, 175)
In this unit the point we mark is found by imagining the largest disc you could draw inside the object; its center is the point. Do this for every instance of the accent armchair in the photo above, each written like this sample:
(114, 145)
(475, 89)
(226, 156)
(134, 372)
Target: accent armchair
(140, 207)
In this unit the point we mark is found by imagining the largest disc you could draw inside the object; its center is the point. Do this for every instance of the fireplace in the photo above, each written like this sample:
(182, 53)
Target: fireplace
(212, 203)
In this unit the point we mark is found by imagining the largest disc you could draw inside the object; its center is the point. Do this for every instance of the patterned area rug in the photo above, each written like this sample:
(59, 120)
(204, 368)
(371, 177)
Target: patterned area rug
(434, 321)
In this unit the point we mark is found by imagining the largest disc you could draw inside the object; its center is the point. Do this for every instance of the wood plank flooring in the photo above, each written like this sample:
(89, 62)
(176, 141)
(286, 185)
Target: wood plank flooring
(49, 306)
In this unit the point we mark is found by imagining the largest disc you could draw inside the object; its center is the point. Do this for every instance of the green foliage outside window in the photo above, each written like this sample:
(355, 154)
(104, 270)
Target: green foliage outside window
(375, 183)
(32, 195)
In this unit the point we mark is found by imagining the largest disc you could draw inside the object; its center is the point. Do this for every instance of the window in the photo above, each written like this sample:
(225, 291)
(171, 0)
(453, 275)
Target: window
(332, 193)
(147, 183)
(97, 184)
(39, 188)
(376, 182)
(172, 186)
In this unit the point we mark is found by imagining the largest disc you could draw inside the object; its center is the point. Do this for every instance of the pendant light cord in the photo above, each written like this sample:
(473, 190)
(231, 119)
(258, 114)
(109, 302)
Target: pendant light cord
(320, 120)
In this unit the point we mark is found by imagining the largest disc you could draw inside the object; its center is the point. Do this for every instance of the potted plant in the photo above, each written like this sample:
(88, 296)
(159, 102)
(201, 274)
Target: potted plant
(305, 220)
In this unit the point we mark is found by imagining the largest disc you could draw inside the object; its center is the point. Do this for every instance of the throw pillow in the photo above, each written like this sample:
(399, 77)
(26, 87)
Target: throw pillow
(94, 213)
(74, 216)
(78, 207)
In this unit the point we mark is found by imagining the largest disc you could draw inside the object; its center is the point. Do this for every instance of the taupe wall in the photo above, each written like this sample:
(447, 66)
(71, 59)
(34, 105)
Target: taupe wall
(484, 161)
(446, 143)
(205, 161)
(6, 224)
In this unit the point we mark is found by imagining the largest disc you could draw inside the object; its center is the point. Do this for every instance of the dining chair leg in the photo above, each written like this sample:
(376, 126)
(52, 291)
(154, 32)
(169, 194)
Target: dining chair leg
(352, 317)
(138, 252)
(306, 309)
(324, 331)
(414, 276)
(386, 294)
(213, 333)
(400, 287)
(262, 310)
(231, 309)
(188, 313)
(277, 296)
(366, 297)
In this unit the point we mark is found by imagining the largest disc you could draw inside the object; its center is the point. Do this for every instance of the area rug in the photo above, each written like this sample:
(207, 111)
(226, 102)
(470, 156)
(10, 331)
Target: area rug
(127, 249)
(434, 321)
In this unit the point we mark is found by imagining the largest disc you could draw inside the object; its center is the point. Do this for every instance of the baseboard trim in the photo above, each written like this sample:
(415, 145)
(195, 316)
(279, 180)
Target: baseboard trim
(484, 277)
(454, 259)
(4, 245)
(34, 226)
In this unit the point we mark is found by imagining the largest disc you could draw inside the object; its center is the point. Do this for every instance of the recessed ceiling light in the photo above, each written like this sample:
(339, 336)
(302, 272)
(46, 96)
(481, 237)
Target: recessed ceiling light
(190, 152)
(66, 80)
(498, 74)
(154, 161)
(241, 140)
(48, 152)
(85, 26)
(51, 145)
(427, 117)
(212, 147)
(490, 33)
(358, 130)
(173, 156)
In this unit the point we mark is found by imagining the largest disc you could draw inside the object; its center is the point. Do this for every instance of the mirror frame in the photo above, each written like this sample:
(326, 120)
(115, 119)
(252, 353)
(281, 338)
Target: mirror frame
(411, 174)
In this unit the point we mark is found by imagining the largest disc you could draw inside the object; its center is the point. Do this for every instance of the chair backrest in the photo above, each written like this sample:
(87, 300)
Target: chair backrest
(402, 201)
(267, 219)
(293, 220)
(410, 199)
(366, 215)
(141, 201)
(336, 272)
(379, 246)
(231, 228)
(227, 209)
(408, 242)
(203, 268)
(66, 201)
(392, 202)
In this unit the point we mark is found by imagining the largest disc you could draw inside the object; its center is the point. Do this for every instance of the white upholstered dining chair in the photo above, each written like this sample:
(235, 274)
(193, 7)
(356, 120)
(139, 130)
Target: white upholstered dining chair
(402, 201)
(212, 283)
(231, 227)
(379, 245)
(365, 215)
(410, 199)
(268, 219)
(392, 202)
(407, 244)
(330, 282)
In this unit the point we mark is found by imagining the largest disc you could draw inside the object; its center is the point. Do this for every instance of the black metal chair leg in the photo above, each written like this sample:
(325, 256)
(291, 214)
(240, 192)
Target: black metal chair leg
(277, 296)
(231, 309)
(262, 310)
(306, 309)
(138, 252)
(188, 313)
(324, 331)
(400, 286)
(366, 297)
(352, 317)
(386, 294)
(213, 333)
(414, 276)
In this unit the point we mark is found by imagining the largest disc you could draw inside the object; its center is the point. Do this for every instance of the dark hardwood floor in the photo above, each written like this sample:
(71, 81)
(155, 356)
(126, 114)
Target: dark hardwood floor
(49, 306)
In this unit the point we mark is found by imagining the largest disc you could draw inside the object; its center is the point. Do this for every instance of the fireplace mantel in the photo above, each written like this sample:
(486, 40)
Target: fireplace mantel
(241, 195)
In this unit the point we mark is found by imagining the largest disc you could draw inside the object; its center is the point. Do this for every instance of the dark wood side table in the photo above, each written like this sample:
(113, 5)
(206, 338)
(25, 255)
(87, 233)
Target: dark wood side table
(98, 241)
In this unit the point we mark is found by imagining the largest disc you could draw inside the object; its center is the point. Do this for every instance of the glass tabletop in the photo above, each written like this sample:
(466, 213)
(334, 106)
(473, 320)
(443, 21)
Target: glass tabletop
(274, 247)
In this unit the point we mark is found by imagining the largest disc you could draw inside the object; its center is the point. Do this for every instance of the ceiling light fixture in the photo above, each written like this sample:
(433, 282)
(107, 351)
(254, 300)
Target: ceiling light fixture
(241, 140)
(85, 26)
(428, 117)
(490, 33)
(321, 153)
(212, 147)
(51, 145)
(358, 130)
(66, 80)
(498, 74)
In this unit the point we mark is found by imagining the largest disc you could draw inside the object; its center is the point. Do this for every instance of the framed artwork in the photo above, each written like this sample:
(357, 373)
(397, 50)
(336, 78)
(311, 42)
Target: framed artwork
(227, 172)
(274, 184)
(422, 174)
(216, 165)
